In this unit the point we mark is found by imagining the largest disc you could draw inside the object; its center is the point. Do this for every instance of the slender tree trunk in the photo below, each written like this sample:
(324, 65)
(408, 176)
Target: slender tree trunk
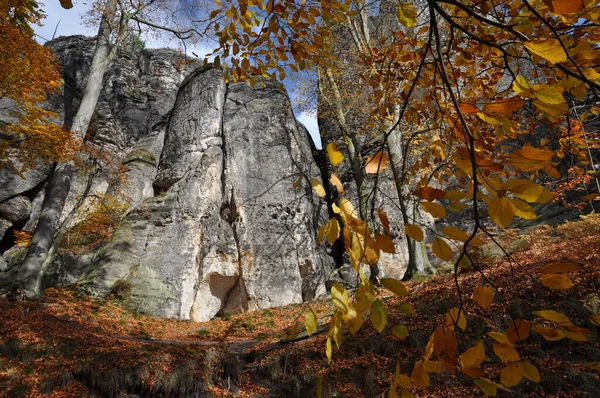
(417, 262)
(32, 270)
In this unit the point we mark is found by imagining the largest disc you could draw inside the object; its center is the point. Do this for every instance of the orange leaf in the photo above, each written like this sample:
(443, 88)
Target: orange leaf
(420, 376)
(484, 296)
(559, 268)
(384, 220)
(556, 281)
(518, 331)
(506, 353)
(414, 232)
(511, 375)
(505, 106)
(376, 163)
(468, 109)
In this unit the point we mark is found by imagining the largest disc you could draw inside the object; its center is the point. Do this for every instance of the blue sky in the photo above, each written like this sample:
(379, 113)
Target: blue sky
(61, 22)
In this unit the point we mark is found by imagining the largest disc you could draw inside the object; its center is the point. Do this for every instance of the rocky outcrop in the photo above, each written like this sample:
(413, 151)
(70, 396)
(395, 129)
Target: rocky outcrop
(226, 232)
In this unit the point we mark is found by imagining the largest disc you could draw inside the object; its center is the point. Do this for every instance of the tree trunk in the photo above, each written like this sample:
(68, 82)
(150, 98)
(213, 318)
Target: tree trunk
(417, 260)
(32, 270)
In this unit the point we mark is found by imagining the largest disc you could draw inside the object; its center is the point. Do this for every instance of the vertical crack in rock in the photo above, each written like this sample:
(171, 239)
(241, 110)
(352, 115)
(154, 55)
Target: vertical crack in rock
(230, 212)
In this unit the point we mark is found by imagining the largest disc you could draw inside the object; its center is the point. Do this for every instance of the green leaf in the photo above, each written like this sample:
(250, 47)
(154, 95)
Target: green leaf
(400, 331)
(488, 387)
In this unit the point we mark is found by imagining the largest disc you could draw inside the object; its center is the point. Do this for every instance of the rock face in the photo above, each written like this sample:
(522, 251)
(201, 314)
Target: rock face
(226, 233)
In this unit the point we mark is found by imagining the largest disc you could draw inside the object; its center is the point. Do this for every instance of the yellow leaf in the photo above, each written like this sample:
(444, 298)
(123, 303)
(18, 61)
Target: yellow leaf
(553, 316)
(407, 14)
(500, 337)
(456, 317)
(371, 251)
(435, 209)
(420, 376)
(525, 189)
(400, 331)
(437, 148)
(318, 188)
(549, 49)
(506, 352)
(384, 220)
(376, 163)
(529, 371)
(334, 154)
(433, 366)
(518, 330)
(393, 393)
(455, 233)
(488, 387)
(385, 244)
(347, 208)
(406, 308)
(310, 321)
(594, 365)
(556, 281)
(401, 380)
(559, 268)
(471, 360)
(339, 296)
(331, 230)
(553, 110)
(320, 387)
(328, 349)
(483, 296)
(335, 181)
(395, 286)
(378, 315)
(576, 336)
(549, 95)
(523, 209)
(511, 375)
(414, 232)
(501, 211)
(550, 334)
(488, 119)
(441, 249)
(297, 183)
(522, 87)
(356, 322)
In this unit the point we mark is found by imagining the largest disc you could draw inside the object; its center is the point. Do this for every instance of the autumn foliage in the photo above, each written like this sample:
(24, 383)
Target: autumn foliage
(29, 72)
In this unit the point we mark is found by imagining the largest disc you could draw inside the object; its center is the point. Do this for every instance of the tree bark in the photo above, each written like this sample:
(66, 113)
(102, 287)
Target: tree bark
(32, 270)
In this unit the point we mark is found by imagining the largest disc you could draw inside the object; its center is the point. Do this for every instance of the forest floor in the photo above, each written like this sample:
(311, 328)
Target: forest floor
(70, 345)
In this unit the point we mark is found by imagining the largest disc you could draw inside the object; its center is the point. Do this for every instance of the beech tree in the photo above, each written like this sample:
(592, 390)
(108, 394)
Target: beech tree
(481, 84)
(29, 134)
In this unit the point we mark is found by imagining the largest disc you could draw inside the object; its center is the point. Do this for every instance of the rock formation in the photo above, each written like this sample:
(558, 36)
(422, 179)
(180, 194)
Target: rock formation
(212, 224)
